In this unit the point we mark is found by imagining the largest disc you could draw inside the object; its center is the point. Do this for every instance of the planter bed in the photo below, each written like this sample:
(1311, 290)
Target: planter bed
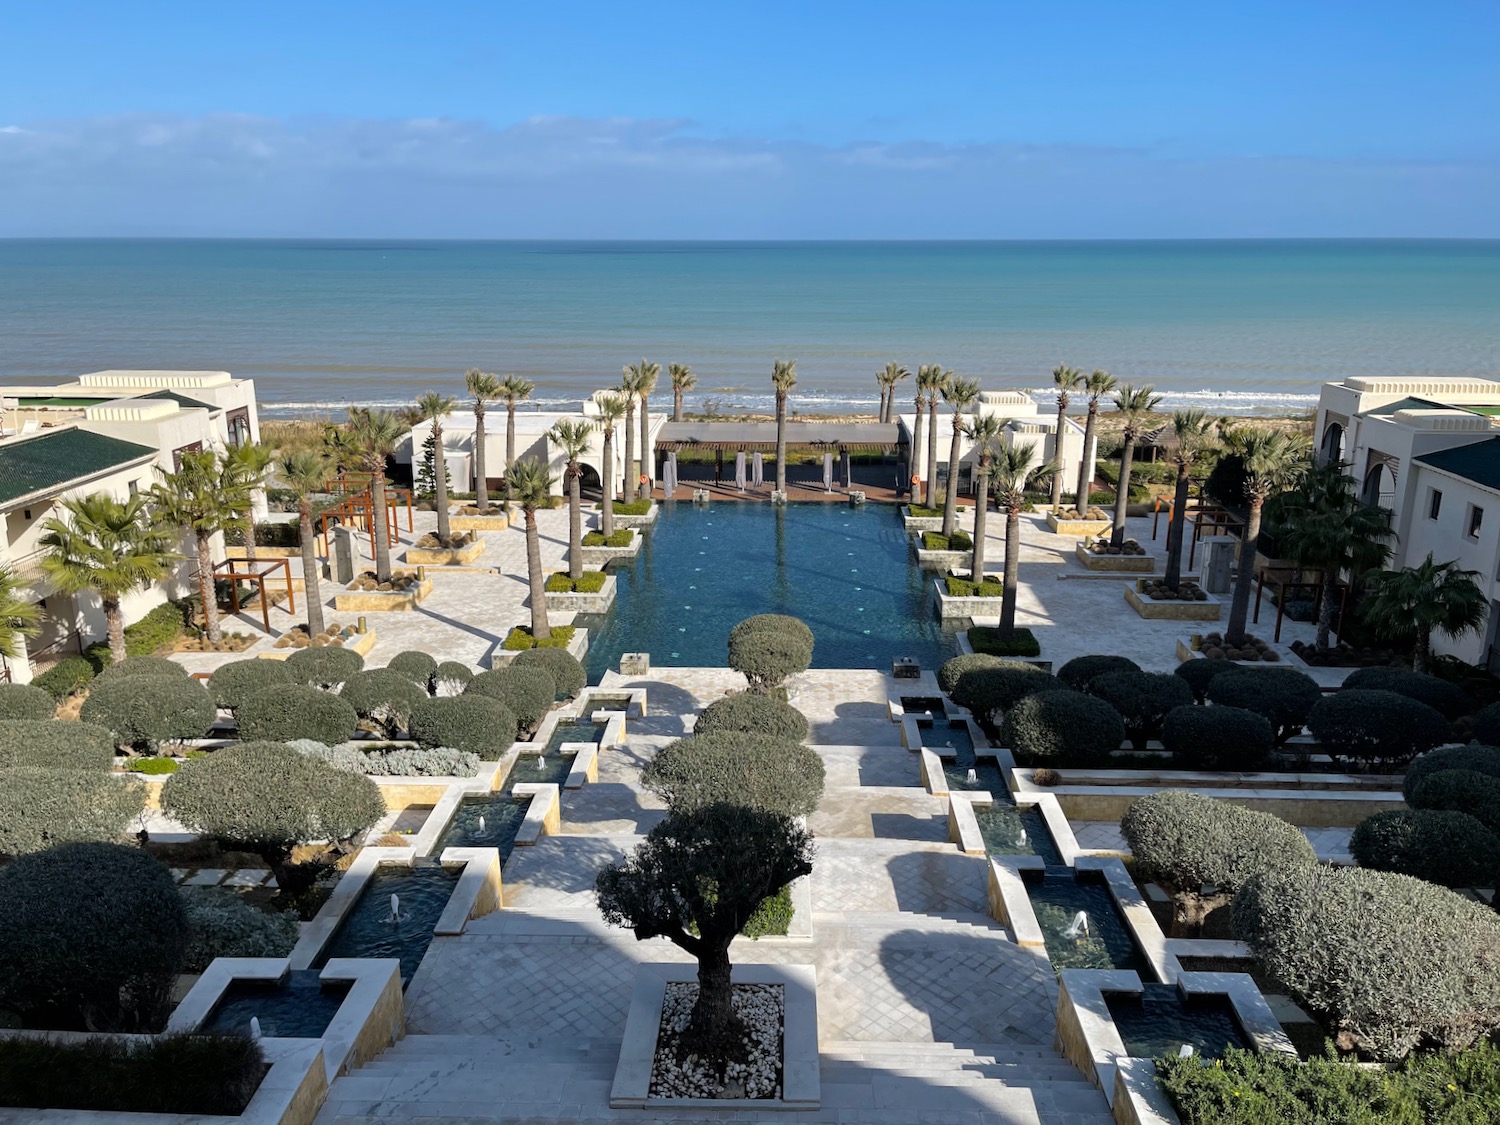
(352, 599)
(942, 561)
(577, 602)
(646, 520)
(953, 608)
(462, 555)
(1121, 564)
(597, 556)
(578, 645)
(1095, 525)
(923, 523)
(1208, 610)
(467, 519)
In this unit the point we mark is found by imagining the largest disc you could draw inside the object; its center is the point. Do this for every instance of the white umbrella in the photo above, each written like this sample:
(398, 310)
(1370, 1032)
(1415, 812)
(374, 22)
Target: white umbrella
(758, 470)
(828, 472)
(845, 465)
(669, 476)
(739, 470)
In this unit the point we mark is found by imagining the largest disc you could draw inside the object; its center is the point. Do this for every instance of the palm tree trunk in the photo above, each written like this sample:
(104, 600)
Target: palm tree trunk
(885, 404)
(250, 555)
(607, 482)
(1081, 497)
(381, 532)
(1122, 493)
(1057, 450)
(206, 592)
(780, 441)
(1012, 567)
(575, 523)
(916, 452)
(510, 449)
(981, 511)
(677, 404)
(1239, 613)
(311, 578)
(440, 483)
(1421, 654)
(481, 491)
(1325, 610)
(1177, 528)
(628, 473)
(932, 454)
(645, 487)
(950, 501)
(114, 625)
(540, 630)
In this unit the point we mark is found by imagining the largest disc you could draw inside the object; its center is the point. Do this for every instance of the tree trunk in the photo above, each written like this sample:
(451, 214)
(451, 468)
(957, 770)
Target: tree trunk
(645, 486)
(1122, 492)
(1177, 529)
(677, 404)
(932, 454)
(575, 523)
(780, 441)
(311, 578)
(114, 623)
(1421, 654)
(481, 492)
(1239, 613)
(1325, 610)
(981, 511)
(607, 482)
(206, 592)
(539, 627)
(380, 530)
(440, 484)
(626, 488)
(713, 1030)
(510, 450)
(1081, 497)
(950, 501)
(250, 555)
(1057, 454)
(1012, 567)
(916, 453)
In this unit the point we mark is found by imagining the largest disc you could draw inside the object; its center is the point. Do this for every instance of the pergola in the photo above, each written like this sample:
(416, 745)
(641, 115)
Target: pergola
(236, 569)
(760, 437)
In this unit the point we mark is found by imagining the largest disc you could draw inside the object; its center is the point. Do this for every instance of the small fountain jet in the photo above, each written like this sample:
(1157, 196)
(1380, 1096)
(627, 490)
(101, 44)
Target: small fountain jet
(481, 822)
(254, 1028)
(1079, 928)
(972, 777)
(395, 908)
(541, 762)
(1185, 1051)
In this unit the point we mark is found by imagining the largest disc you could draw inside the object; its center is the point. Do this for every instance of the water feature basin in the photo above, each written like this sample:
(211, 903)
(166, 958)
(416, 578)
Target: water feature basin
(1008, 830)
(299, 1006)
(1161, 1019)
(368, 929)
(1057, 898)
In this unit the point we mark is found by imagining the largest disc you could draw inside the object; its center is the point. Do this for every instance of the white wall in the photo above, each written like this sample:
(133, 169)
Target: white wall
(1446, 538)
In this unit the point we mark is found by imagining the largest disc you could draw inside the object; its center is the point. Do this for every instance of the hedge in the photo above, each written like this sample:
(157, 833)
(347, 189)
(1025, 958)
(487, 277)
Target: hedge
(747, 713)
(417, 666)
(527, 693)
(1143, 700)
(1062, 728)
(998, 642)
(65, 677)
(1486, 725)
(1467, 791)
(746, 770)
(1283, 695)
(632, 507)
(782, 622)
(964, 588)
(288, 711)
(143, 711)
(1218, 738)
(451, 674)
(94, 933)
(954, 669)
(22, 701)
(1451, 849)
(519, 639)
(152, 633)
(1375, 727)
(620, 538)
(589, 582)
(232, 683)
(1437, 693)
(44, 807)
(473, 723)
(985, 691)
(1387, 962)
(766, 657)
(324, 667)
(222, 924)
(383, 696)
(1198, 674)
(560, 664)
(937, 541)
(55, 744)
(1478, 759)
(1077, 672)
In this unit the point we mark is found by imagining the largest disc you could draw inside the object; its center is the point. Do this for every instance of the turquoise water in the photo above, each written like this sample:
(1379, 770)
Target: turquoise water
(297, 1007)
(318, 324)
(1160, 1021)
(701, 571)
(367, 929)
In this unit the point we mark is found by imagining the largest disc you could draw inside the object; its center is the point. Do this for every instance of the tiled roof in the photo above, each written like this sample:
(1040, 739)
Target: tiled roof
(183, 400)
(1479, 462)
(52, 460)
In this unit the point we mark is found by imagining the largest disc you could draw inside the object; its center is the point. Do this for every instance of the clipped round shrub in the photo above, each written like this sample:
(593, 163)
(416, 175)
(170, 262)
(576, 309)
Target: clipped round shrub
(1062, 728)
(560, 664)
(232, 683)
(324, 667)
(417, 666)
(1437, 693)
(65, 677)
(473, 723)
(1143, 700)
(222, 924)
(1466, 791)
(383, 696)
(1451, 849)
(142, 711)
(987, 690)
(1375, 727)
(766, 657)
(527, 693)
(1198, 674)
(55, 744)
(1185, 842)
(452, 677)
(956, 668)
(747, 713)
(1475, 758)
(44, 807)
(774, 622)
(1218, 738)
(746, 770)
(1387, 962)
(94, 933)
(1283, 695)
(290, 711)
(1077, 672)
(22, 701)
(143, 666)
(1486, 725)
(268, 797)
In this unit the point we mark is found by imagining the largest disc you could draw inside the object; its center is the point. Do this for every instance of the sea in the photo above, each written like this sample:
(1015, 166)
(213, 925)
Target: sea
(1234, 326)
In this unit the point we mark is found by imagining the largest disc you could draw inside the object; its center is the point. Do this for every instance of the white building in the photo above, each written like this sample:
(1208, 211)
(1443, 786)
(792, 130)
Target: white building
(1025, 425)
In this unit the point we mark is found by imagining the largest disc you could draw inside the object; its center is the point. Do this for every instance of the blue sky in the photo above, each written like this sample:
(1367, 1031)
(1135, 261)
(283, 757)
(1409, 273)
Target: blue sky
(869, 120)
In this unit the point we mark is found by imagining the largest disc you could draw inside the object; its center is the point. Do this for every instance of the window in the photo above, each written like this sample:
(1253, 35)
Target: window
(1476, 517)
(135, 487)
(1434, 503)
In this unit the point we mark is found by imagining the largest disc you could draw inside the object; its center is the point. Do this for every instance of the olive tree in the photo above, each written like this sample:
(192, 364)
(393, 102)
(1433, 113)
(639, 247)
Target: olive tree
(145, 711)
(768, 653)
(1062, 728)
(752, 714)
(1077, 672)
(746, 770)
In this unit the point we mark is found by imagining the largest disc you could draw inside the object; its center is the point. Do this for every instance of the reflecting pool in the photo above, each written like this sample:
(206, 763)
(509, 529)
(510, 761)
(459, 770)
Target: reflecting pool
(1105, 943)
(299, 1006)
(1161, 1020)
(369, 930)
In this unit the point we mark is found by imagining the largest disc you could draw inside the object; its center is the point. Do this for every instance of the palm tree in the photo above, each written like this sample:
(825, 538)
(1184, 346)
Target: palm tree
(254, 461)
(888, 378)
(941, 379)
(485, 388)
(961, 394)
(109, 546)
(1132, 404)
(1324, 526)
(19, 617)
(573, 439)
(1097, 385)
(305, 473)
(984, 431)
(1196, 434)
(435, 408)
(1272, 462)
(649, 373)
(683, 380)
(611, 410)
(783, 378)
(630, 390)
(1014, 466)
(1066, 380)
(1408, 604)
(533, 486)
(375, 434)
(205, 496)
(916, 431)
(513, 389)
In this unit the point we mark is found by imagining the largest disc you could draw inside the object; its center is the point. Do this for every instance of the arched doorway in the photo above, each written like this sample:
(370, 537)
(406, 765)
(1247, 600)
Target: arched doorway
(589, 484)
(1380, 486)
(1332, 449)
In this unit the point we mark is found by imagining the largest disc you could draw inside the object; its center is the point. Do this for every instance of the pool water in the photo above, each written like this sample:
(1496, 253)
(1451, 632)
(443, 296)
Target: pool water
(1008, 830)
(702, 570)
(298, 1006)
(493, 819)
(368, 931)
(1056, 899)
(582, 731)
(953, 734)
(921, 704)
(1161, 1020)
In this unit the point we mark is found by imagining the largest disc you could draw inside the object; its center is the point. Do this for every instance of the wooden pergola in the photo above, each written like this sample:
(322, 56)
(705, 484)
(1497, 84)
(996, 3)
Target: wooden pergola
(264, 569)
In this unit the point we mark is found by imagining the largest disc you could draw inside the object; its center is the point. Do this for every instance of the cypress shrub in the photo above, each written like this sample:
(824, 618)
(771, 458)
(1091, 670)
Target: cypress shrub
(417, 666)
(288, 711)
(324, 667)
(145, 710)
(1451, 849)
(383, 696)
(1283, 695)
(1198, 674)
(1218, 738)
(55, 744)
(41, 808)
(23, 701)
(232, 683)
(1143, 700)
(1375, 727)
(1439, 694)
(746, 713)
(1062, 728)
(472, 723)
(744, 770)
(560, 664)
(527, 693)
(1077, 672)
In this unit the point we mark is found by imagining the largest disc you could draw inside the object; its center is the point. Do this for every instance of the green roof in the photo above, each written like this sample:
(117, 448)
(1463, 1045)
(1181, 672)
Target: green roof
(52, 460)
(1479, 462)
(182, 400)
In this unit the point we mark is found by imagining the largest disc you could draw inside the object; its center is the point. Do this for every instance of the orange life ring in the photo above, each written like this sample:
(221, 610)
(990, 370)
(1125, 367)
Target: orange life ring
(916, 479)
(644, 478)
